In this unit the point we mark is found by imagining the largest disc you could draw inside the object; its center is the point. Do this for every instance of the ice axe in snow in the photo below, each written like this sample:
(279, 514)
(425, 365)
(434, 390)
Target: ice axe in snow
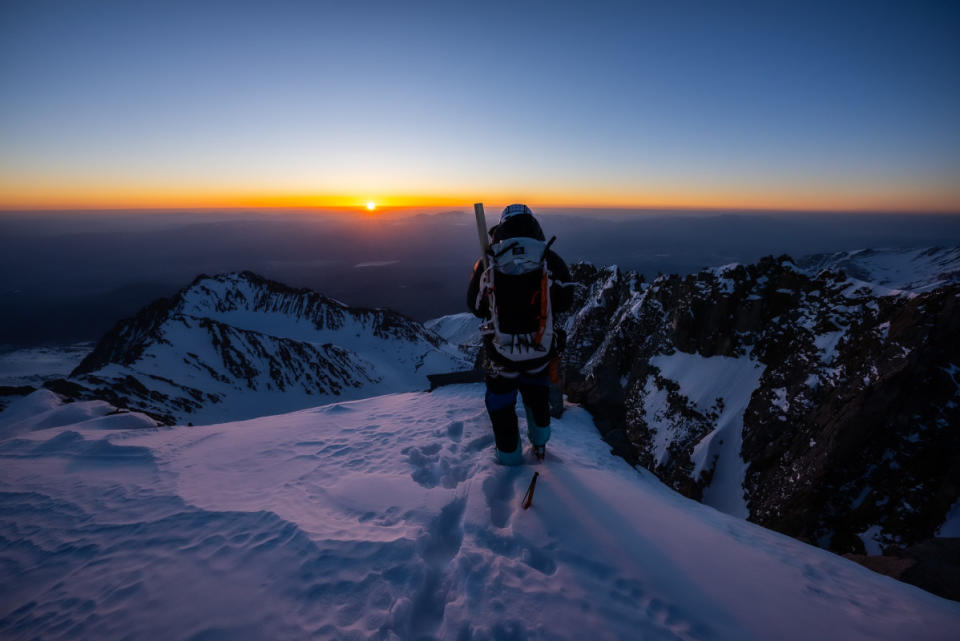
(528, 497)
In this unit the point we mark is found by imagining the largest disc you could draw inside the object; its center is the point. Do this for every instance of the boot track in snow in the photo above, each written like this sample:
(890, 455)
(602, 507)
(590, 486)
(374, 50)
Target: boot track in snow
(389, 518)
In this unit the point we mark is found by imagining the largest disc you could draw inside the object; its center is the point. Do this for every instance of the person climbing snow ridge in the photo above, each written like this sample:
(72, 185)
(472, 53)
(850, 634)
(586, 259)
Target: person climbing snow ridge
(518, 287)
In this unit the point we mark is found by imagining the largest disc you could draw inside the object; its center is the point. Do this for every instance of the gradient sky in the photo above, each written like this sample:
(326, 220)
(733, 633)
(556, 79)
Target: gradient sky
(647, 104)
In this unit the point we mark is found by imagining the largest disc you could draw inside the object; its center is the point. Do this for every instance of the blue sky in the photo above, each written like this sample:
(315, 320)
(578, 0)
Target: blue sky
(806, 105)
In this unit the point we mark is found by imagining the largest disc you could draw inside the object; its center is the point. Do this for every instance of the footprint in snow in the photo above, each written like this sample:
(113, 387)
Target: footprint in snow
(455, 430)
(431, 469)
(500, 492)
(421, 615)
(479, 443)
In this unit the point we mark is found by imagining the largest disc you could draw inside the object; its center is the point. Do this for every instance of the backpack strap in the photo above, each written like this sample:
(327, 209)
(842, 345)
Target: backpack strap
(544, 291)
(544, 301)
(485, 288)
(504, 250)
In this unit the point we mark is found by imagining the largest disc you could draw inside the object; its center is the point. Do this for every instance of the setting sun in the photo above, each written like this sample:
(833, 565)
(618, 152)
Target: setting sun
(371, 205)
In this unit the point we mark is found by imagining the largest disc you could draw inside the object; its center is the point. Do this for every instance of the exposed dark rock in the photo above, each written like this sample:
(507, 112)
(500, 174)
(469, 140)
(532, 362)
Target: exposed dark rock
(69, 390)
(848, 433)
(124, 344)
(933, 565)
(16, 390)
(455, 378)
(10, 393)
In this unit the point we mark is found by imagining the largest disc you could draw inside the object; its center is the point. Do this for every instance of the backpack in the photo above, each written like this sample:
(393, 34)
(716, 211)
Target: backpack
(517, 284)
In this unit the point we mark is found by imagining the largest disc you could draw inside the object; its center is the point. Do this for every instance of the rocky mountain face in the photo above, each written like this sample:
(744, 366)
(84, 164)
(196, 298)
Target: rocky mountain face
(238, 345)
(812, 400)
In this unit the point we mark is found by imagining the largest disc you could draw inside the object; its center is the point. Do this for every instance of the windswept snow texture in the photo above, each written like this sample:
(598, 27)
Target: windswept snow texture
(900, 270)
(387, 518)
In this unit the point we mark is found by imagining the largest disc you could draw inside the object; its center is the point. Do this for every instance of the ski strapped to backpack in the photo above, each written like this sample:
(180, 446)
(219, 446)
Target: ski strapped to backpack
(517, 285)
(482, 232)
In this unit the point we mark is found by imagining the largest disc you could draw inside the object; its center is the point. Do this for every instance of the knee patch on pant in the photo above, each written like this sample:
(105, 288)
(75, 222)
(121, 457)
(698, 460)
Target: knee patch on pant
(496, 399)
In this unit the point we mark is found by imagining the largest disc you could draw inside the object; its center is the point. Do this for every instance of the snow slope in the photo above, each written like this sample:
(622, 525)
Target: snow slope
(703, 380)
(43, 409)
(387, 518)
(900, 270)
(459, 329)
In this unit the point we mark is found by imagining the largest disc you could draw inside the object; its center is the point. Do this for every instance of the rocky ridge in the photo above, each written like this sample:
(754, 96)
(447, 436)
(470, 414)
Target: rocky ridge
(807, 400)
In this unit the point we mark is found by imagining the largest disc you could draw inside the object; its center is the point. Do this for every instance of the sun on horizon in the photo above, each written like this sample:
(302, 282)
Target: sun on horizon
(371, 205)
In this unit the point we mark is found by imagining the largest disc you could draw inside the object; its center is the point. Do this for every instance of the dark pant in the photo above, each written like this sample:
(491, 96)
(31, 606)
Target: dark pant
(501, 401)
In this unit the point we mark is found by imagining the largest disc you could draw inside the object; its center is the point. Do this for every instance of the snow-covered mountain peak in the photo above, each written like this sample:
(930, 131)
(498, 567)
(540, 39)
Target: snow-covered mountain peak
(239, 345)
(250, 302)
(244, 297)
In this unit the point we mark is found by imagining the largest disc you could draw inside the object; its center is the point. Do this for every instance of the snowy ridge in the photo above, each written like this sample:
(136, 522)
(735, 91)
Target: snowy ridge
(898, 270)
(43, 409)
(387, 518)
(459, 329)
(238, 345)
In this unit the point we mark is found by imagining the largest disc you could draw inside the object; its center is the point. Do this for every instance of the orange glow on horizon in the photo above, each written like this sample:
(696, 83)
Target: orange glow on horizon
(32, 197)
